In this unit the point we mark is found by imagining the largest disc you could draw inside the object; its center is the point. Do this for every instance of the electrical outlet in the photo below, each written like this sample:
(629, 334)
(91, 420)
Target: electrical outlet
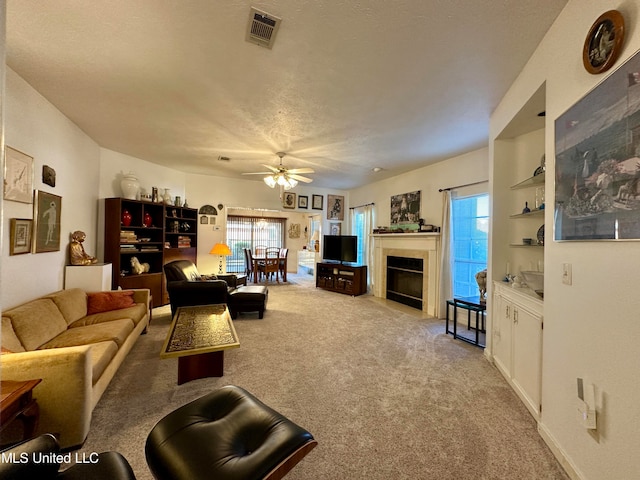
(566, 274)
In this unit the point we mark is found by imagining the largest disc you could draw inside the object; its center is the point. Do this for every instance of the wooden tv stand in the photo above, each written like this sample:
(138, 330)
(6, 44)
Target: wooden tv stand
(347, 279)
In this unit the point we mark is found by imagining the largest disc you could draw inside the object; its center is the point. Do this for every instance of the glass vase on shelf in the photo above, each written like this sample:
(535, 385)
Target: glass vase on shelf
(540, 198)
(167, 196)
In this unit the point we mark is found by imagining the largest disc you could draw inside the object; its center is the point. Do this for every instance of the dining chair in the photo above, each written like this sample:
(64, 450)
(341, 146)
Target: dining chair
(255, 269)
(271, 263)
(260, 250)
(248, 262)
(284, 252)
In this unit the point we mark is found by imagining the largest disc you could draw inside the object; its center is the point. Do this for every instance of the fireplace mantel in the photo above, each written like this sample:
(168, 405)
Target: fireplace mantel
(412, 245)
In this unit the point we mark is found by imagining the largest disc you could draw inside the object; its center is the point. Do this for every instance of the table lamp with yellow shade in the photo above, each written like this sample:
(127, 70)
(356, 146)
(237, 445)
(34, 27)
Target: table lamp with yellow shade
(222, 250)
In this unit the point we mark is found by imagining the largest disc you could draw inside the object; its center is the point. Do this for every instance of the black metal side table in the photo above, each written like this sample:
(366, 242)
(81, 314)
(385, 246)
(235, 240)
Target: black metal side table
(471, 304)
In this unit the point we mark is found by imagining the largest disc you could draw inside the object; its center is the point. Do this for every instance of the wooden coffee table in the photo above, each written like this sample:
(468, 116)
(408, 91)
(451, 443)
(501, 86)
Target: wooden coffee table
(17, 404)
(198, 336)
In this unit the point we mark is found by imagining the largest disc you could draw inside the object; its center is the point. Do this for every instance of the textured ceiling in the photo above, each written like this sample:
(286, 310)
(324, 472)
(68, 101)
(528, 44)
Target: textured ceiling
(348, 86)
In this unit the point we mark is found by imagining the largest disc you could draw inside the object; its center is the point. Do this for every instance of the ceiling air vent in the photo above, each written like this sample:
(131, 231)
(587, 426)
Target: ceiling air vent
(262, 28)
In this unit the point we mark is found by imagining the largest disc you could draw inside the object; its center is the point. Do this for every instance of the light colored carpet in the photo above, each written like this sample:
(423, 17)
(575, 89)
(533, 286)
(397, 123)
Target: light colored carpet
(384, 391)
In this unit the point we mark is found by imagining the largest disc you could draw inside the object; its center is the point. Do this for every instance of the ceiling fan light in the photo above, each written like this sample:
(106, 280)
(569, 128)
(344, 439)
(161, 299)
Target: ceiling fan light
(270, 181)
(281, 180)
(293, 182)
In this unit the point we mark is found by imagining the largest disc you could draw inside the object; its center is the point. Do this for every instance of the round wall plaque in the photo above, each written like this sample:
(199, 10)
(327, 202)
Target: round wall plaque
(604, 42)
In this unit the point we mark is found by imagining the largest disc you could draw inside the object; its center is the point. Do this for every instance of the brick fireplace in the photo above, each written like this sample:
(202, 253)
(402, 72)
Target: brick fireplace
(422, 246)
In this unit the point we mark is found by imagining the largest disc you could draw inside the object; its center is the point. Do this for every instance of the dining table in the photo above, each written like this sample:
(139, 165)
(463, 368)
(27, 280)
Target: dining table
(261, 258)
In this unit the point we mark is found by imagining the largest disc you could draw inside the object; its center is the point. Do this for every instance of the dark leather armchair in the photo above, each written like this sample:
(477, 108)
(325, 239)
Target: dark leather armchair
(102, 466)
(186, 287)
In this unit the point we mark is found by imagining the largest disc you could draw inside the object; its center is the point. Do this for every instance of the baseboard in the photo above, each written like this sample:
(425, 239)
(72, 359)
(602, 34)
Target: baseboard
(559, 453)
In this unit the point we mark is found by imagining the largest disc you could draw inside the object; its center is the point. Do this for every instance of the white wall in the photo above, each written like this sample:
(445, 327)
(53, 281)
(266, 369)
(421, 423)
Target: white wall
(469, 168)
(591, 328)
(35, 127)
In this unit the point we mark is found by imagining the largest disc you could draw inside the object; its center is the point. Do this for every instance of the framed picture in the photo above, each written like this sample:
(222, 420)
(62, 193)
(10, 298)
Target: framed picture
(335, 229)
(335, 207)
(597, 168)
(405, 208)
(289, 200)
(48, 176)
(204, 220)
(316, 202)
(47, 209)
(303, 201)
(20, 236)
(18, 176)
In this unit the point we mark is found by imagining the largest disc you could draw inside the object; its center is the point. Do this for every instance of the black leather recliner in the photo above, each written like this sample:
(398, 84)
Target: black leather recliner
(186, 287)
(34, 458)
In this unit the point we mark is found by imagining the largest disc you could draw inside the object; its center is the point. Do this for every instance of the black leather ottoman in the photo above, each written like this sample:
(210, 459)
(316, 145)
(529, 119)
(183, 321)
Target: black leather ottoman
(251, 298)
(228, 435)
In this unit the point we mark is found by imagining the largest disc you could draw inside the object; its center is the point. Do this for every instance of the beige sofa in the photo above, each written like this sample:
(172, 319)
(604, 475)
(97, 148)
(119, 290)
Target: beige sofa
(75, 352)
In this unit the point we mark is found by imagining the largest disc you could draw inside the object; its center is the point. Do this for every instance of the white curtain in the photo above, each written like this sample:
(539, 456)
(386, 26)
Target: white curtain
(446, 276)
(368, 221)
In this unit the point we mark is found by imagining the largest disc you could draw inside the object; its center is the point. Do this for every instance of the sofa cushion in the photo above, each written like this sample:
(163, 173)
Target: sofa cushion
(72, 303)
(36, 322)
(10, 342)
(106, 301)
(116, 330)
(101, 355)
(135, 313)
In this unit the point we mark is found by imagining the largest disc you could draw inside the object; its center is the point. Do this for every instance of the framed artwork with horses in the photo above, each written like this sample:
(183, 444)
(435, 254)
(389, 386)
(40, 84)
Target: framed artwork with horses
(597, 168)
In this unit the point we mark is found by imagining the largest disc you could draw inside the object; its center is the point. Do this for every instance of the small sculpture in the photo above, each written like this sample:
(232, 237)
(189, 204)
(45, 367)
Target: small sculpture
(137, 267)
(77, 255)
(481, 280)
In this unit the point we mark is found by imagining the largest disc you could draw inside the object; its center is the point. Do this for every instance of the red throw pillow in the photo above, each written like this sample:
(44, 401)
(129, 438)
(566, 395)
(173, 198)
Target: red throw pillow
(107, 301)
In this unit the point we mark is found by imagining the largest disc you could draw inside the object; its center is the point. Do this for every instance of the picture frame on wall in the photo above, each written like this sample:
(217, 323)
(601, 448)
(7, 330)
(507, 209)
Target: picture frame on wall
(47, 210)
(335, 207)
(335, 228)
(597, 171)
(18, 176)
(289, 200)
(20, 236)
(316, 202)
(405, 208)
(303, 201)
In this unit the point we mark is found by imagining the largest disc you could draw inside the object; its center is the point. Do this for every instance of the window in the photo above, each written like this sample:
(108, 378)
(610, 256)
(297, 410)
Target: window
(470, 222)
(250, 232)
(359, 231)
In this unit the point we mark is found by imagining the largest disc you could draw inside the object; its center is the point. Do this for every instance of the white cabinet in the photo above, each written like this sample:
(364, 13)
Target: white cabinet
(90, 278)
(517, 342)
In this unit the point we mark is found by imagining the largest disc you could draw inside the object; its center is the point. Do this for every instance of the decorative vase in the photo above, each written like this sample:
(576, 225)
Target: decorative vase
(130, 186)
(167, 196)
(147, 219)
(126, 218)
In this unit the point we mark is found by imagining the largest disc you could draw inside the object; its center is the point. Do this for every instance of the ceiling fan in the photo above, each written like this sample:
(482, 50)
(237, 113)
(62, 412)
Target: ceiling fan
(282, 176)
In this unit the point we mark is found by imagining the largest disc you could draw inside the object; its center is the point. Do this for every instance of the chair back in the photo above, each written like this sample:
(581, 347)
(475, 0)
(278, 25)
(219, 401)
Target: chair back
(284, 252)
(248, 261)
(272, 261)
(272, 252)
(181, 270)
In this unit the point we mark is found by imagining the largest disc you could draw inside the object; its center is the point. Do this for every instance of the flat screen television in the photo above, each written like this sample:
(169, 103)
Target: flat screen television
(340, 248)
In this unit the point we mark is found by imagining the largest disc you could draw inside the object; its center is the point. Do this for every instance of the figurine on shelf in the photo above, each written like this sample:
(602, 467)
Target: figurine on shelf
(77, 255)
(137, 267)
(526, 208)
